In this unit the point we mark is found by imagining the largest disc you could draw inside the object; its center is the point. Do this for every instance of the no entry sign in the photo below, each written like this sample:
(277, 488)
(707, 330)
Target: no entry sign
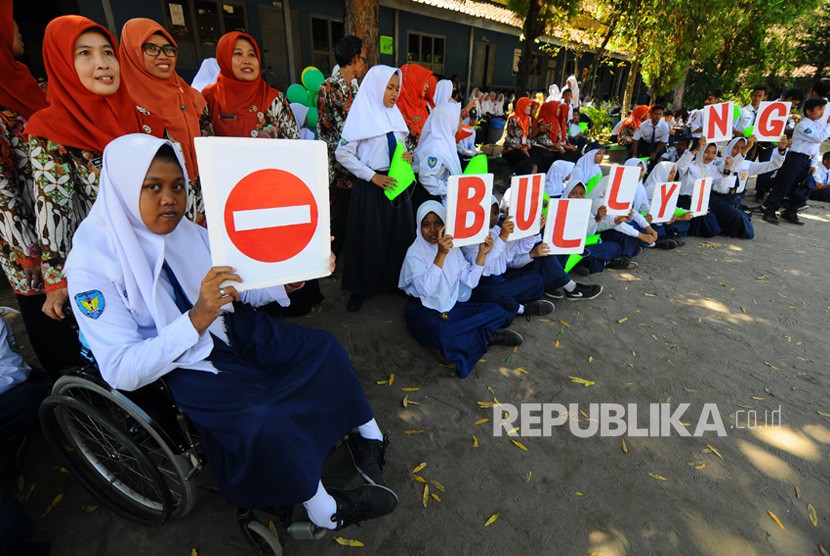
(266, 202)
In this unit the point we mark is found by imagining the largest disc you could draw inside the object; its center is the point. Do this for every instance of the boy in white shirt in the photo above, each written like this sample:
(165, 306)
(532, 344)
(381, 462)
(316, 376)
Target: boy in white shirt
(822, 180)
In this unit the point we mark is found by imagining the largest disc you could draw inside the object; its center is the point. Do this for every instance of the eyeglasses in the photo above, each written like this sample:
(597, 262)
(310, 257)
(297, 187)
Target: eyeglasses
(151, 49)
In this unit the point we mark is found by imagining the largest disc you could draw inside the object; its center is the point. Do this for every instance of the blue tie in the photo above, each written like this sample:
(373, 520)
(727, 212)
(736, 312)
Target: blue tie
(393, 144)
(179, 297)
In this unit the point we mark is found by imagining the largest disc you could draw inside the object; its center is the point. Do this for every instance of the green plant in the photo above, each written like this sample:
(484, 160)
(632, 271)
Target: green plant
(600, 129)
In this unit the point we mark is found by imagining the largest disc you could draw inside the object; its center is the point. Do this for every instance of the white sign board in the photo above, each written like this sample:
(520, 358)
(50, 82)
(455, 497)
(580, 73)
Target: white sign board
(664, 201)
(468, 208)
(700, 197)
(771, 120)
(717, 121)
(526, 197)
(267, 208)
(567, 225)
(621, 189)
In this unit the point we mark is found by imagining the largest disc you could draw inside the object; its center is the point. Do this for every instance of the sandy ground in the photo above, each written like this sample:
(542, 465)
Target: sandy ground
(739, 324)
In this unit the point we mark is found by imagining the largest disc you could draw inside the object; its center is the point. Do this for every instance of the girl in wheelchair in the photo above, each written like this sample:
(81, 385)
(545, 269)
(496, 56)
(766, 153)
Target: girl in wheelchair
(269, 399)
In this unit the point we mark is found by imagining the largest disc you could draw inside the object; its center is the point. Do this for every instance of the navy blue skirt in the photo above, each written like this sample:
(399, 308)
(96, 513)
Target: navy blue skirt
(700, 226)
(283, 397)
(509, 290)
(461, 334)
(733, 216)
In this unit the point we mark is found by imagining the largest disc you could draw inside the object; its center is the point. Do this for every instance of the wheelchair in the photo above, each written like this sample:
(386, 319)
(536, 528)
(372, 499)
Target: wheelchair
(140, 457)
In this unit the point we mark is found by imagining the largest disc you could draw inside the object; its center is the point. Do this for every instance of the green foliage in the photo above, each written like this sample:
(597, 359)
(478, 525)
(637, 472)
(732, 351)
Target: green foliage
(600, 129)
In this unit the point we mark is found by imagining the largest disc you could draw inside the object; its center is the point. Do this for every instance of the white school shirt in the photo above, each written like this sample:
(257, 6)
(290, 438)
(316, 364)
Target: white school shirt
(628, 229)
(747, 119)
(742, 170)
(808, 137)
(671, 154)
(496, 262)
(695, 122)
(661, 132)
(822, 175)
(13, 370)
(365, 157)
(433, 178)
(130, 352)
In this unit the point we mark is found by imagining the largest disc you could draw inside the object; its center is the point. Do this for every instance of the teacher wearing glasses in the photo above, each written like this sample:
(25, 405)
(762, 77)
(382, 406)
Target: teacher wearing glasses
(148, 56)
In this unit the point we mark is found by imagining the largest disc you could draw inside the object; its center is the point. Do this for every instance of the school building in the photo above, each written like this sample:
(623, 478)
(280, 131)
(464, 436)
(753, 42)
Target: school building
(477, 40)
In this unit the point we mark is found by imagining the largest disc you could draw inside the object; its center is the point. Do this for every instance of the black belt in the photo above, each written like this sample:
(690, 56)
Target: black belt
(800, 155)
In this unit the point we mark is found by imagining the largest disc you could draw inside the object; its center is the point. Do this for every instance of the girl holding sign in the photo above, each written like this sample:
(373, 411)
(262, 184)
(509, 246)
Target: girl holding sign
(726, 201)
(439, 282)
(697, 163)
(149, 54)
(665, 172)
(87, 109)
(269, 399)
(241, 103)
(379, 230)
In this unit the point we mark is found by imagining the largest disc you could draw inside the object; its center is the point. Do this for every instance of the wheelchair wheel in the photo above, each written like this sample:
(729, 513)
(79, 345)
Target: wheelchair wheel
(177, 469)
(263, 539)
(106, 461)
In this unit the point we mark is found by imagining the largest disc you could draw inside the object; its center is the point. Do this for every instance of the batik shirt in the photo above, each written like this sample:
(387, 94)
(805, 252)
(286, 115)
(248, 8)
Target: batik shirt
(515, 139)
(334, 100)
(277, 122)
(18, 240)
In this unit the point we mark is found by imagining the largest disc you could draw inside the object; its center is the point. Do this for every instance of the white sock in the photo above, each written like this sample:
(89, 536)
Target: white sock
(521, 310)
(321, 507)
(570, 286)
(370, 431)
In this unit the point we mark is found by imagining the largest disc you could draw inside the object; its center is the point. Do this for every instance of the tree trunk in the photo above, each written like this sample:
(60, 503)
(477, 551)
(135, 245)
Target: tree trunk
(531, 30)
(629, 85)
(601, 52)
(679, 91)
(362, 21)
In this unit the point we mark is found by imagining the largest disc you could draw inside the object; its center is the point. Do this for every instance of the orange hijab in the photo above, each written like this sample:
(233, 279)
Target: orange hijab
(519, 114)
(18, 89)
(77, 117)
(636, 116)
(231, 97)
(411, 103)
(178, 104)
(430, 96)
(551, 114)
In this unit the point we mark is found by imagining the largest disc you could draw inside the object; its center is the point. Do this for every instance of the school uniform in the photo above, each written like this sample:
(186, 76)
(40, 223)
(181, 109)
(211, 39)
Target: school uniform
(691, 168)
(555, 177)
(660, 174)
(436, 158)
(821, 176)
(803, 154)
(596, 257)
(726, 199)
(438, 313)
(268, 398)
(651, 137)
(379, 230)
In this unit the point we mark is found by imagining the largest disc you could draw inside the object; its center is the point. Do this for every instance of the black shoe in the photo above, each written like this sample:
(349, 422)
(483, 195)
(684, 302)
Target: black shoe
(538, 308)
(760, 196)
(679, 242)
(666, 244)
(558, 293)
(621, 263)
(581, 269)
(791, 217)
(505, 337)
(362, 503)
(584, 291)
(355, 303)
(770, 217)
(368, 457)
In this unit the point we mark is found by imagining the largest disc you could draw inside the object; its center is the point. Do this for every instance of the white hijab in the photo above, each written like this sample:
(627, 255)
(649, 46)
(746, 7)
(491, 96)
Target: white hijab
(585, 168)
(554, 93)
(697, 170)
(368, 116)
(300, 112)
(438, 137)
(113, 242)
(573, 85)
(421, 255)
(500, 105)
(443, 92)
(641, 199)
(555, 178)
(207, 74)
(659, 174)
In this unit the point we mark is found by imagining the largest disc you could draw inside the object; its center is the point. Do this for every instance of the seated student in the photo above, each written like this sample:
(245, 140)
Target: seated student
(532, 255)
(630, 125)
(673, 153)
(665, 172)
(436, 158)
(697, 163)
(801, 161)
(642, 202)
(517, 293)
(821, 180)
(605, 254)
(466, 146)
(651, 138)
(439, 282)
(557, 177)
(516, 143)
(726, 200)
(269, 399)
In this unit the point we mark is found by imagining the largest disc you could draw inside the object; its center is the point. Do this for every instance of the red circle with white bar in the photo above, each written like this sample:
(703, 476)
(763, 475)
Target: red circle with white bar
(271, 215)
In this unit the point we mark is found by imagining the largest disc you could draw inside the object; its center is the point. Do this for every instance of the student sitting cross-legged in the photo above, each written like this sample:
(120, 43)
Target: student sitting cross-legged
(439, 282)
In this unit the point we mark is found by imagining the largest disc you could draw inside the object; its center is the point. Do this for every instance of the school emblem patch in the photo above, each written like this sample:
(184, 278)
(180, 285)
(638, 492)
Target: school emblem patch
(344, 142)
(91, 303)
(432, 161)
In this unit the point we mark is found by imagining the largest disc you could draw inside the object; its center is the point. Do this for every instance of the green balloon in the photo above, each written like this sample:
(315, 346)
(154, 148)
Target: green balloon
(311, 99)
(748, 131)
(312, 79)
(311, 118)
(297, 93)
